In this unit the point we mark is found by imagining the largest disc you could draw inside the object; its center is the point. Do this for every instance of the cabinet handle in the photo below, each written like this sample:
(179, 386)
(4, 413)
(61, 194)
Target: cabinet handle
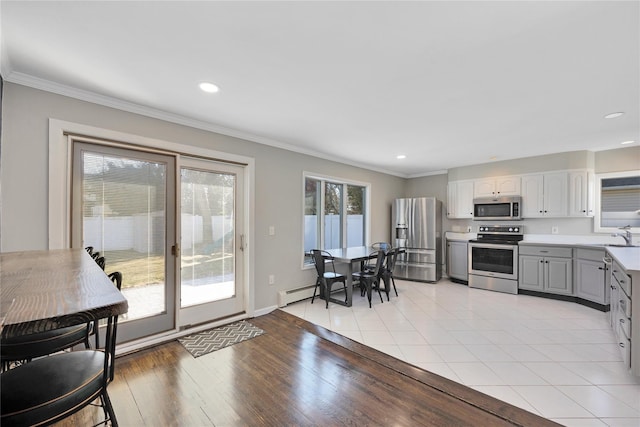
(545, 211)
(540, 211)
(546, 262)
(622, 321)
(621, 344)
(621, 281)
(601, 268)
(583, 211)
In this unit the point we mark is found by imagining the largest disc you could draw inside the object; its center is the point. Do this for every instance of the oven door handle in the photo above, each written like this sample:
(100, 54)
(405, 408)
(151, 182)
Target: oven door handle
(492, 246)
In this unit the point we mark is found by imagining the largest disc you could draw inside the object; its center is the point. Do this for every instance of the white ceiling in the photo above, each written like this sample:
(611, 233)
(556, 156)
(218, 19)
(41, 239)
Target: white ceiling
(447, 84)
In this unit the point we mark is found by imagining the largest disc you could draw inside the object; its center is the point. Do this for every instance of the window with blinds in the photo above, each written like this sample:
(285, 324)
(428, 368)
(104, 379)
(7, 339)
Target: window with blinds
(620, 202)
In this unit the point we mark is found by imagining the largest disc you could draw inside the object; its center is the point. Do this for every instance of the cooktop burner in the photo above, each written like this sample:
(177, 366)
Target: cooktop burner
(500, 234)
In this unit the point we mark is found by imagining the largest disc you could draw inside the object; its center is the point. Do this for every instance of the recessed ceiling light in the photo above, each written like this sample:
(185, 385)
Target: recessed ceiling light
(209, 87)
(627, 142)
(401, 156)
(614, 115)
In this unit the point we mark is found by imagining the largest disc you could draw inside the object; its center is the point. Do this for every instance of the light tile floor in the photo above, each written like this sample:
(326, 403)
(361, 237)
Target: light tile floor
(553, 358)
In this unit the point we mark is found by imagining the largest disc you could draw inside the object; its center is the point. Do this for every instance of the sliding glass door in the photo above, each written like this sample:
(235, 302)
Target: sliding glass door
(123, 208)
(177, 238)
(211, 275)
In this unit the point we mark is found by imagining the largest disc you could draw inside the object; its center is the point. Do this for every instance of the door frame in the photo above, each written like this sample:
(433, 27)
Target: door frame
(60, 179)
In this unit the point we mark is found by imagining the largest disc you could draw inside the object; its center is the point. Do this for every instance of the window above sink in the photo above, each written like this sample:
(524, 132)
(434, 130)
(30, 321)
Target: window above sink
(617, 202)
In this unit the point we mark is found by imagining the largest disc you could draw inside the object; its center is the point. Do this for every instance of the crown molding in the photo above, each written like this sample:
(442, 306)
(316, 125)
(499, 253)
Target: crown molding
(107, 101)
(420, 175)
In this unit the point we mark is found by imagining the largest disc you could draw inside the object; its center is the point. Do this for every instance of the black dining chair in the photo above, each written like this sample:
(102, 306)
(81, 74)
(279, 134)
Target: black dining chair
(116, 278)
(23, 349)
(325, 278)
(52, 388)
(378, 246)
(386, 272)
(101, 262)
(369, 278)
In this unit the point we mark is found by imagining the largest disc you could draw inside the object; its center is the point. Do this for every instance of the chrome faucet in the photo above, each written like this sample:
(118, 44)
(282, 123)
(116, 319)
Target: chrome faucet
(626, 235)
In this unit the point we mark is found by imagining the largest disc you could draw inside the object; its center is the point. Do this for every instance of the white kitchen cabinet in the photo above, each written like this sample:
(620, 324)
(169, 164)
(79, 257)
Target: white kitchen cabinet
(532, 196)
(581, 193)
(590, 276)
(457, 260)
(546, 269)
(545, 195)
(460, 199)
(496, 187)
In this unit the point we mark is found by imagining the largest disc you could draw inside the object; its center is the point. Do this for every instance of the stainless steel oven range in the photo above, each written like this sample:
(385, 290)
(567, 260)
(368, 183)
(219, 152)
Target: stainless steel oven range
(493, 258)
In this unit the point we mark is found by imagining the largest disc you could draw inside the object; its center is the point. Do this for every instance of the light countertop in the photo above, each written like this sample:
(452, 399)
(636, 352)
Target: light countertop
(463, 237)
(629, 258)
(573, 240)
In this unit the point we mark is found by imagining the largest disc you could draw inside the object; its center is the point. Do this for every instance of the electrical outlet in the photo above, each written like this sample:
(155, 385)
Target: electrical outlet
(272, 279)
(272, 230)
(554, 230)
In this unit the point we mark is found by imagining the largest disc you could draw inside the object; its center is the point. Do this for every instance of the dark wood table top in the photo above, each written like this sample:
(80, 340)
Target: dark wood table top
(44, 290)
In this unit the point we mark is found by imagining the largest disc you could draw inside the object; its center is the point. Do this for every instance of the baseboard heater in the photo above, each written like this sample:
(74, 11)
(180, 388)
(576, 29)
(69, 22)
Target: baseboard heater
(293, 295)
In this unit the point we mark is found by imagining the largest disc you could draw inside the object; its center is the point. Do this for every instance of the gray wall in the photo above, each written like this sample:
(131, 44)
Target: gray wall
(549, 162)
(278, 181)
(623, 159)
(278, 177)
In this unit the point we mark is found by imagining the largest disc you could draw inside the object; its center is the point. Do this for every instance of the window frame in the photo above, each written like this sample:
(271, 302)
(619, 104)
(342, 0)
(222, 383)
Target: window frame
(323, 179)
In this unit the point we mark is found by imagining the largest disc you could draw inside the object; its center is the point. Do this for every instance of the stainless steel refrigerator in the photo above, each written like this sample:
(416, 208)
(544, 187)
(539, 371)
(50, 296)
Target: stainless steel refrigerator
(416, 227)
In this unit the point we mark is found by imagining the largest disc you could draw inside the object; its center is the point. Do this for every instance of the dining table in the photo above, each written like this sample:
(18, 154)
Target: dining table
(44, 290)
(350, 256)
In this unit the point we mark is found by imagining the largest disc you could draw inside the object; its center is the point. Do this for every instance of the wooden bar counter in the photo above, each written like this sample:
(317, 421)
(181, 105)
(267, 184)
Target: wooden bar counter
(44, 290)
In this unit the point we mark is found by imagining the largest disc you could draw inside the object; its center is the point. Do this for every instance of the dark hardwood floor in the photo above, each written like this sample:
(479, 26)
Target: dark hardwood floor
(296, 374)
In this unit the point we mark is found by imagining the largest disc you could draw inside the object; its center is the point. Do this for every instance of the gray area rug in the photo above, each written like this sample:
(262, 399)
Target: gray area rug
(214, 339)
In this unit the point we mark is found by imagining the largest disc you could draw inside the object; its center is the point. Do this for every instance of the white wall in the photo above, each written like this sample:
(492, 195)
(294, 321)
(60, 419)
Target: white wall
(277, 194)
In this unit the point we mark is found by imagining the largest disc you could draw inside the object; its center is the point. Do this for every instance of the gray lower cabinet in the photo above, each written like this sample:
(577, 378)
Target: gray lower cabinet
(546, 269)
(457, 260)
(591, 276)
(621, 316)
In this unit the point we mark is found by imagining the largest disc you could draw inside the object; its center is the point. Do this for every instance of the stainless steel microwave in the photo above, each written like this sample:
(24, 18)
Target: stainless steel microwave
(505, 208)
